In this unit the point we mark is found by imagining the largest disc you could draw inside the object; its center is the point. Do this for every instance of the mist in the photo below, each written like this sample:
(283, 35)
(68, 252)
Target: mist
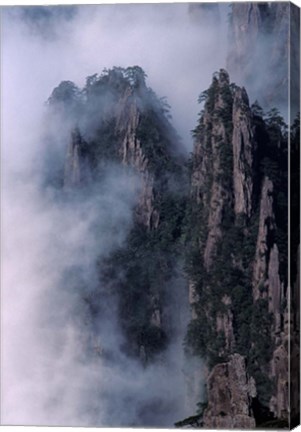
(51, 241)
(178, 48)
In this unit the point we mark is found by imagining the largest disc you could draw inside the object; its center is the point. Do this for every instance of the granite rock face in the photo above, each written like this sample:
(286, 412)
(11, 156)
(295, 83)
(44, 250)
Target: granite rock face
(121, 124)
(237, 200)
(77, 167)
(266, 225)
(207, 162)
(132, 154)
(230, 392)
(244, 148)
(228, 227)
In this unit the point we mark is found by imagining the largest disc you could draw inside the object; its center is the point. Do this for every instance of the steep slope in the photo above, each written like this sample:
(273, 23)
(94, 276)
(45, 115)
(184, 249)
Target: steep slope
(236, 258)
(225, 217)
(117, 121)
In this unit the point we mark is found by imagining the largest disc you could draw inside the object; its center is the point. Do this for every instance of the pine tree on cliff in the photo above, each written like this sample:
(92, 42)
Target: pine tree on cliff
(117, 119)
(236, 253)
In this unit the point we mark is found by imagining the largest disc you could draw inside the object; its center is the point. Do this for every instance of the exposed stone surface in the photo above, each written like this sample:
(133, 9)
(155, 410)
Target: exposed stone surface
(286, 332)
(207, 158)
(267, 284)
(77, 169)
(131, 153)
(243, 153)
(230, 391)
(251, 192)
(266, 224)
(207, 162)
(279, 403)
(229, 388)
(129, 128)
(214, 221)
(275, 288)
(224, 324)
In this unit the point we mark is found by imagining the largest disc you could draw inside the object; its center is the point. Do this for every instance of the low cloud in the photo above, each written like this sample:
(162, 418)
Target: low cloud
(50, 241)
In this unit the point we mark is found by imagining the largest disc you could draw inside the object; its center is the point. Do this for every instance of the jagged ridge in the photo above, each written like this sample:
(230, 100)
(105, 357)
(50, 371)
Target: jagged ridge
(230, 228)
(237, 275)
(117, 119)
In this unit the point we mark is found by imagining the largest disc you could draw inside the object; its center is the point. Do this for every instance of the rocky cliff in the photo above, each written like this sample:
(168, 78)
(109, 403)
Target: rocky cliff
(132, 154)
(77, 170)
(116, 120)
(223, 213)
(237, 268)
(230, 394)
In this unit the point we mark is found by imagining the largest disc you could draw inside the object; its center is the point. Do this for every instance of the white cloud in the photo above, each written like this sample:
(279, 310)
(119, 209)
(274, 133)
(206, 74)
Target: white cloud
(46, 379)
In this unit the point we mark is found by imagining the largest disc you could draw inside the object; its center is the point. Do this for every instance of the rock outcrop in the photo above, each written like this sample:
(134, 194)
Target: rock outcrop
(275, 288)
(224, 325)
(231, 225)
(208, 166)
(114, 132)
(230, 393)
(77, 165)
(244, 148)
(132, 154)
(267, 284)
(125, 124)
(279, 403)
(265, 227)
(235, 191)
